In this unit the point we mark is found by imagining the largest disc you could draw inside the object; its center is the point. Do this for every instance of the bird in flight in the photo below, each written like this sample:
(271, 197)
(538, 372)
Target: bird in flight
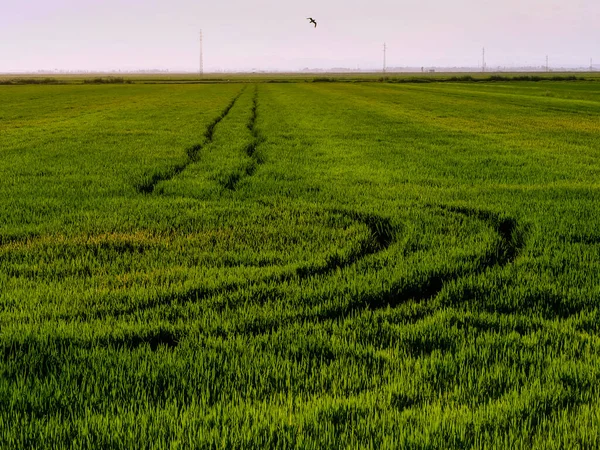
(311, 20)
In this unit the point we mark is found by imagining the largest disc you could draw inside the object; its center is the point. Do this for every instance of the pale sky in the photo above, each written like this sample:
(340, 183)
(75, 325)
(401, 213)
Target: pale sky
(274, 34)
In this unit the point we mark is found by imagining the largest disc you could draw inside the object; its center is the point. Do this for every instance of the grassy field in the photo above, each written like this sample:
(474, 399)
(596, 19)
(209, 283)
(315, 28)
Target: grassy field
(311, 265)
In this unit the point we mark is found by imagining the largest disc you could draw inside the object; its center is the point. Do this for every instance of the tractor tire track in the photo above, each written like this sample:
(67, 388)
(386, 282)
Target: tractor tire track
(155, 339)
(250, 150)
(193, 153)
(507, 248)
(382, 235)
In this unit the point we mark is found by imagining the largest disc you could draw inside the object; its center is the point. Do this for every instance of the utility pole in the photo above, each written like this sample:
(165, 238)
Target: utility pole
(201, 56)
(384, 49)
(483, 60)
(591, 65)
(547, 67)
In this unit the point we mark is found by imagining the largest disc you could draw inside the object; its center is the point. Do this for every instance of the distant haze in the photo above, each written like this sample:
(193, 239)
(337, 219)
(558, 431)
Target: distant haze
(100, 35)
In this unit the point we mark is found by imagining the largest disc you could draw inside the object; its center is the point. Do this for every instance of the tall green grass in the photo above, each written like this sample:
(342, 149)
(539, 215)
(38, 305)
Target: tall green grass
(313, 265)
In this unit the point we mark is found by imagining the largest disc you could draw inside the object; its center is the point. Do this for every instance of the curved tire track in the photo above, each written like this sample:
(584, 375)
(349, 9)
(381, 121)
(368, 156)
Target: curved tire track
(382, 235)
(507, 248)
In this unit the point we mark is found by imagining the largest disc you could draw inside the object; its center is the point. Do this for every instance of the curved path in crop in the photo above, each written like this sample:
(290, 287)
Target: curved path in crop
(508, 246)
(382, 235)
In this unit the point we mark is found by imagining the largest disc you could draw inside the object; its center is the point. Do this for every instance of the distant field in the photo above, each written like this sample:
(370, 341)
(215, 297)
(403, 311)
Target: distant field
(314, 265)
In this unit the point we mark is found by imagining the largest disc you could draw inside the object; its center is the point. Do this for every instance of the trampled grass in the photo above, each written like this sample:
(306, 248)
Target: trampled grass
(314, 265)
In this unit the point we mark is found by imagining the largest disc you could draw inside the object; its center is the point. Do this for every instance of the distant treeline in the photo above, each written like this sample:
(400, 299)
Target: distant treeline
(107, 80)
(16, 81)
(470, 78)
(97, 80)
(459, 78)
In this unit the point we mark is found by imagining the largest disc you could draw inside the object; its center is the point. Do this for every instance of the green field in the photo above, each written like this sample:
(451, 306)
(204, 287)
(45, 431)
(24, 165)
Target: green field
(300, 265)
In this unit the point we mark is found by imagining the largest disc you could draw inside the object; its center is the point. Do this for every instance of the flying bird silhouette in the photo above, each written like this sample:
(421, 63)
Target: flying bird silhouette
(311, 20)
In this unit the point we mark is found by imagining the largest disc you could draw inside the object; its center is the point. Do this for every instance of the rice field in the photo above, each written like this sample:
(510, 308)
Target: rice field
(300, 265)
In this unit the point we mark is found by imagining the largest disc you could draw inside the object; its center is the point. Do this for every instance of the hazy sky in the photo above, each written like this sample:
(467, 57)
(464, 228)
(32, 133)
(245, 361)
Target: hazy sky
(274, 34)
